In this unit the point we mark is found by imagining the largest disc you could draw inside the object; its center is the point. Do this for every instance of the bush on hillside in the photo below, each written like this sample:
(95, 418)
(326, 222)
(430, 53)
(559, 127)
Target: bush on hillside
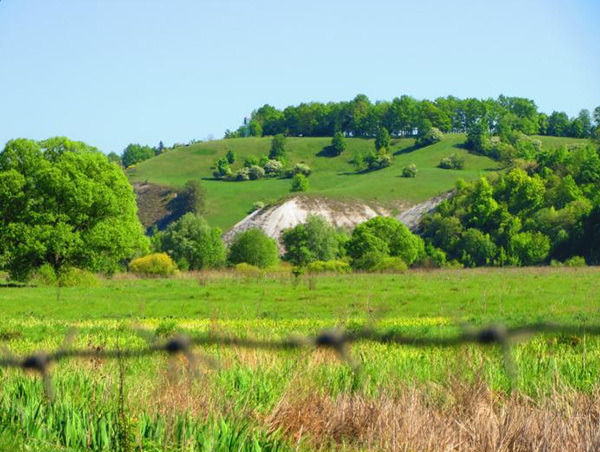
(253, 247)
(301, 168)
(431, 136)
(338, 143)
(278, 150)
(273, 168)
(453, 161)
(409, 171)
(256, 172)
(156, 264)
(299, 183)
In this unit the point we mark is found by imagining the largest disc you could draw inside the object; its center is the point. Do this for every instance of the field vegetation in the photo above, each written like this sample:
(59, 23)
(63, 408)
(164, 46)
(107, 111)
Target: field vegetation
(401, 397)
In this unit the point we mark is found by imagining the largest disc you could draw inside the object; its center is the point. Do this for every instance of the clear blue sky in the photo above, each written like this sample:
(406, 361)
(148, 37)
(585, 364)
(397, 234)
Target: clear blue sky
(112, 72)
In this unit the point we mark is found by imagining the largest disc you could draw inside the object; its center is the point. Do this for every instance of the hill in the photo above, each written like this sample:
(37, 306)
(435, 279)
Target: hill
(332, 177)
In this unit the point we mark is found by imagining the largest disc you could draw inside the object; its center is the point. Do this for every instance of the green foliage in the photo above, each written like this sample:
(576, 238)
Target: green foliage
(247, 269)
(453, 161)
(477, 248)
(75, 277)
(230, 157)
(381, 237)
(193, 197)
(114, 158)
(382, 139)
(255, 172)
(135, 153)
(253, 247)
(338, 143)
(273, 168)
(431, 136)
(530, 248)
(299, 183)
(409, 171)
(192, 243)
(575, 261)
(301, 168)
(156, 264)
(278, 150)
(330, 266)
(63, 203)
(314, 240)
(390, 264)
(222, 168)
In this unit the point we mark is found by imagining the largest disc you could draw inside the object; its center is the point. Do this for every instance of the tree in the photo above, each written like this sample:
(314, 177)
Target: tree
(382, 139)
(64, 204)
(114, 158)
(530, 248)
(396, 237)
(477, 248)
(315, 240)
(135, 153)
(255, 129)
(558, 124)
(478, 136)
(194, 197)
(299, 183)
(277, 147)
(338, 143)
(230, 157)
(192, 243)
(253, 247)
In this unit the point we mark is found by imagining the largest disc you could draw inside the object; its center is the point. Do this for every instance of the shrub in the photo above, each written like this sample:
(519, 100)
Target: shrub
(156, 264)
(66, 277)
(257, 205)
(253, 247)
(299, 183)
(431, 136)
(230, 157)
(256, 172)
(453, 161)
(382, 139)
(222, 169)
(44, 276)
(242, 174)
(192, 243)
(331, 266)
(375, 161)
(409, 171)
(390, 264)
(273, 168)
(575, 261)
(250, 161)
(247, 269)
(301, 168)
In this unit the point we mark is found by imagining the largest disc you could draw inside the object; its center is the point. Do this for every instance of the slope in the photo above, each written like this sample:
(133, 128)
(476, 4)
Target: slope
(332, 177)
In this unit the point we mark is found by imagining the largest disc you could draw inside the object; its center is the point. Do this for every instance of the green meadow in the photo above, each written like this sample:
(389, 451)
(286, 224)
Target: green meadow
(243, 399)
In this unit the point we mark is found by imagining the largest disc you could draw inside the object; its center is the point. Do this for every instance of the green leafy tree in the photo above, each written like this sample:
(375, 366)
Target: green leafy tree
(230, 157)
(194, 197)
(277, 147)
(315, 240)
(382, 139)
(255, 128)
(431, 136)
(530, 248)
(477, 248)
(114, 158)
(398, 240)
(192, 243)
(338, 143)
(64, 204)
(135, 153)
(253, 247)
(299, 183)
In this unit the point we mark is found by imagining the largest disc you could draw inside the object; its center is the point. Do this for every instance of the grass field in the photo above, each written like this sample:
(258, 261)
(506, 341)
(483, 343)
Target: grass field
(401, 398)
(334, 177)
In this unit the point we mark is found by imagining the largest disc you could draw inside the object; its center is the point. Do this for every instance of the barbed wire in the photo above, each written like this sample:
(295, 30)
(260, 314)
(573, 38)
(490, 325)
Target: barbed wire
(334, 339)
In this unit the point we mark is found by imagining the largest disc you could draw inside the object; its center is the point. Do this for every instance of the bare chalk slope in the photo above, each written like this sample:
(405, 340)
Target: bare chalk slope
(342, 214)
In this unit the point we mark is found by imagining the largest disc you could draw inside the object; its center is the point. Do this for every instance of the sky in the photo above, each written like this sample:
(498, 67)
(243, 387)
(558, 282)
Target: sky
(114, 72)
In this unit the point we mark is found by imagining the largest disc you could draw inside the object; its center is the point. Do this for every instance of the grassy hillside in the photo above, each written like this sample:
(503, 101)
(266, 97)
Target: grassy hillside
(229, 202)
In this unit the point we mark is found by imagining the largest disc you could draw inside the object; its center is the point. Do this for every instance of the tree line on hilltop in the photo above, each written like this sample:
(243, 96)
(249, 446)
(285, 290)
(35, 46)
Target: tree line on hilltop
(406, 116)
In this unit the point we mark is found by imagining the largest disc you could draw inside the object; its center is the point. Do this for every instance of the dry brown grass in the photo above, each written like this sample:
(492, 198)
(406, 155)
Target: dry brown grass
(464, 417)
